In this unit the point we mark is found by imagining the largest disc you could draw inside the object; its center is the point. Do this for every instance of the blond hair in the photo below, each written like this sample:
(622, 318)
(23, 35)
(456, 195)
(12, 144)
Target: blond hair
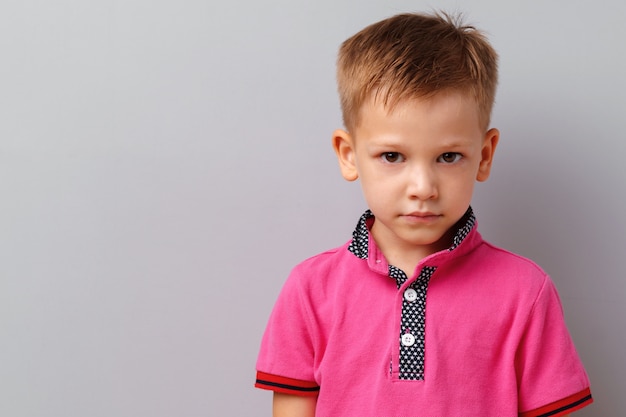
(411, 56)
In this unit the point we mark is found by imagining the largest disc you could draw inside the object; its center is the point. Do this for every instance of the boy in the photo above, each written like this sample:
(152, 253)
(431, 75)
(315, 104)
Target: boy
(417, 315)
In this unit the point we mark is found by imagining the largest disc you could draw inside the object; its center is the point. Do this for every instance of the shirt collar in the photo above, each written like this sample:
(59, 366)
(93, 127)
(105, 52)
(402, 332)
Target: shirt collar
(359, 246)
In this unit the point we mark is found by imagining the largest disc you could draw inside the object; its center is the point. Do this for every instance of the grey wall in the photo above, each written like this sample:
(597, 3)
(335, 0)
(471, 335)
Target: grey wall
(164, 164)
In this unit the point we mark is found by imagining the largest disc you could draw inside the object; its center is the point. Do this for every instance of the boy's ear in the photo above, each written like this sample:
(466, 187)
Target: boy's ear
(343, 144)
(489, 148)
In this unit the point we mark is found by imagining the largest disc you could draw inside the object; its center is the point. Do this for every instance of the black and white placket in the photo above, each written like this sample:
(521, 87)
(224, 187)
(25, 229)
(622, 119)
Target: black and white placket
(412, 337)
(412, 322)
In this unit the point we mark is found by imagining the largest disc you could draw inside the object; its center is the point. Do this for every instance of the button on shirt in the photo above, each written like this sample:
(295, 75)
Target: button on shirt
(410, 295)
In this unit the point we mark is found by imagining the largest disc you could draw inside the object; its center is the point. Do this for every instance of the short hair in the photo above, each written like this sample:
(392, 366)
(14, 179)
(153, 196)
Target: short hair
(410, 56)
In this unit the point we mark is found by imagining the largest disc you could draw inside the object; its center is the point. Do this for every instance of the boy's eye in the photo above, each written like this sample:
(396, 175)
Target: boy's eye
(449, 157)
(392, 157)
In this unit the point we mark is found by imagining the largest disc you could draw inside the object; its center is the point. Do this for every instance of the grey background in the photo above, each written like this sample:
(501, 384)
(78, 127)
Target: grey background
(164, 164)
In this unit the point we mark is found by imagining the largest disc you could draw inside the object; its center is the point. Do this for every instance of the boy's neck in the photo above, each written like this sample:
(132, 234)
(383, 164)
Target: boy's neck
(408, 257)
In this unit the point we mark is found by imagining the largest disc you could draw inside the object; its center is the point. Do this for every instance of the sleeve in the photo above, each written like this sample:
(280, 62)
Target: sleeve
(286, 360)
(551, 378)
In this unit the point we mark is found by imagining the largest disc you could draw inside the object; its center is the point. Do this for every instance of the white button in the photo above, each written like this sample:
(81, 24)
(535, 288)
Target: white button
(408, 339)
(410, 295)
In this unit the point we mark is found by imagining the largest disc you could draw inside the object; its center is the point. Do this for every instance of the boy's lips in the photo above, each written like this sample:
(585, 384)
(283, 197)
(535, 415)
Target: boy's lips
(421, 216)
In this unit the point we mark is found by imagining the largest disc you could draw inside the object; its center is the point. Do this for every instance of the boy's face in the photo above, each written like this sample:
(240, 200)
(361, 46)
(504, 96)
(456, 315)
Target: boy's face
(417, 167)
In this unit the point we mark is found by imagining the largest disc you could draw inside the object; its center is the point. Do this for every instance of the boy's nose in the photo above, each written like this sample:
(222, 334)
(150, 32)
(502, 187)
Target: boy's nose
(422, 184)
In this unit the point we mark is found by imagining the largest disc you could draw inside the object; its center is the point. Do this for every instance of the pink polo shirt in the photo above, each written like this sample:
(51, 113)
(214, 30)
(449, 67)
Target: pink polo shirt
(477, 331)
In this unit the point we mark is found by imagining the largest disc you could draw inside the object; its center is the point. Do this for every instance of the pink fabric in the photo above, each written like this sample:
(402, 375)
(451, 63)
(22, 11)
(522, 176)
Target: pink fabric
(496, 341)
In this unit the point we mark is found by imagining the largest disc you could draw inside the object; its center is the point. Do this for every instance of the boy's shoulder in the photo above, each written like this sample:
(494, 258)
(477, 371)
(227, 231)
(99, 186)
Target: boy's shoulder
(326, 261)
(506, 269)
(501, 257)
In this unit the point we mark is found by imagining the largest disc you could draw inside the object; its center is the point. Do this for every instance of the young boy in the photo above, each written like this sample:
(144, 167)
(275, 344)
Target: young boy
(417, 315)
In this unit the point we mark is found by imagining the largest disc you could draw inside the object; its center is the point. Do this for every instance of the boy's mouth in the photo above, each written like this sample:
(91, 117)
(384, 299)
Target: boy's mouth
(421, 216)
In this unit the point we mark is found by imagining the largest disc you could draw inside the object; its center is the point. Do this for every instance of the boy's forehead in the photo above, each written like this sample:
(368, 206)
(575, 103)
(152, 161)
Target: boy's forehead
(389, 107)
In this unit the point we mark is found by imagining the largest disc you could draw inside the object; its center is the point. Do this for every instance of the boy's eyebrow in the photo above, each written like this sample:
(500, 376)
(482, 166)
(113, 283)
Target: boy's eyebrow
(455, 144)
(386, 143)
(457, 141)
(385, 140)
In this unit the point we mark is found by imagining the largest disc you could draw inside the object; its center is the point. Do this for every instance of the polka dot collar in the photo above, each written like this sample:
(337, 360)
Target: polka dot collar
(359, 244)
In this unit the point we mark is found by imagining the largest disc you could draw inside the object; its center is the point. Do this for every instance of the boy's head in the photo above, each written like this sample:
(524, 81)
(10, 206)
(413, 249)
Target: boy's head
(416, 93)
(412, 56)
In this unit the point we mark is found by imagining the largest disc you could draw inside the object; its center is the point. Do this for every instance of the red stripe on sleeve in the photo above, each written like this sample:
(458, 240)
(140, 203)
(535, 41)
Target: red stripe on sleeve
(562, 407)
(286, 385)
